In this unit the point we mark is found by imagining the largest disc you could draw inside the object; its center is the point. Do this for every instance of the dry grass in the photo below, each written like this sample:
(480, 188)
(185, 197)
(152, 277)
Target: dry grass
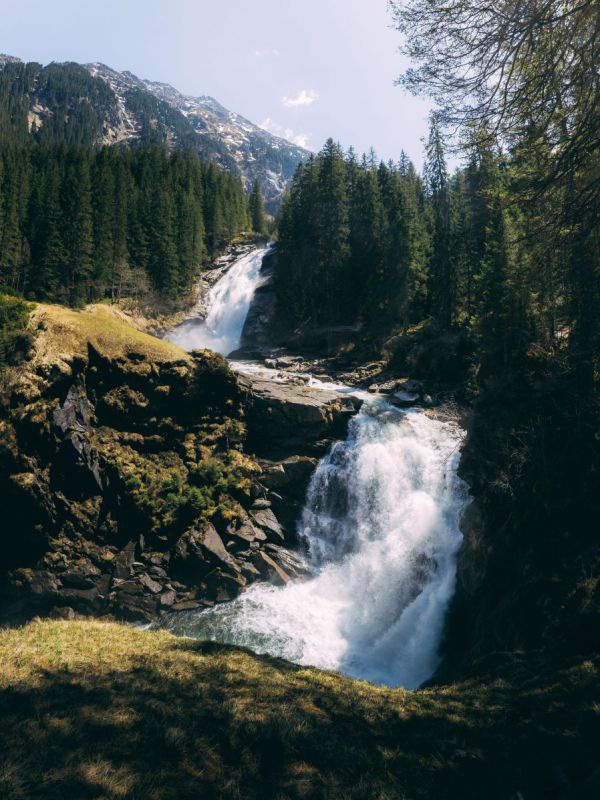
(62, 336)
(97, 710)
(64, 332)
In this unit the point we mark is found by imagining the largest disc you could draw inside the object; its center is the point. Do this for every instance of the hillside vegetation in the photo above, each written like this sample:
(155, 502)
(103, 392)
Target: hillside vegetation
(102, 711)
(82, 224)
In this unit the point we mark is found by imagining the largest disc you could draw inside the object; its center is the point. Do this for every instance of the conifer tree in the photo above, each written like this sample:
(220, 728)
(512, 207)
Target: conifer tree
(333, 230)
(440, 270)
(79, 233)
(257, 210)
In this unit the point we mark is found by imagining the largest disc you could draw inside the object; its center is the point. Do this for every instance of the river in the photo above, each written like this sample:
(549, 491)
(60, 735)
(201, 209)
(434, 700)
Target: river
(380, 526)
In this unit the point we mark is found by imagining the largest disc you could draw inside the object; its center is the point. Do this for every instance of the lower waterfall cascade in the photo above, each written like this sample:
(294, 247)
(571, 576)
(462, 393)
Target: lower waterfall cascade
(381, 532)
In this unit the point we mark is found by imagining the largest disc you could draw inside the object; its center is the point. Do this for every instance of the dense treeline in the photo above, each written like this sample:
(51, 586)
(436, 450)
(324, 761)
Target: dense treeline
(76, 104)
(512, 277)
(520, 85)
(66, 103)
(78, 224)
(353, 243)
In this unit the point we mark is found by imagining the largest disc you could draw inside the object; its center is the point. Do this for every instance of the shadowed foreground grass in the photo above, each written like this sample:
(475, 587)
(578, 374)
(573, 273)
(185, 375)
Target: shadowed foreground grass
(97, 710)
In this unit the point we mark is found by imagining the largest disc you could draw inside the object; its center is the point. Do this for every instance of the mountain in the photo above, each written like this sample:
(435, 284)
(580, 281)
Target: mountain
(93, 104)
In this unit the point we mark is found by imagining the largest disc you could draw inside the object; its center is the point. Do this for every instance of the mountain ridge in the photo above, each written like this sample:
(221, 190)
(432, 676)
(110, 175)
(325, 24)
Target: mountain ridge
(143, 111)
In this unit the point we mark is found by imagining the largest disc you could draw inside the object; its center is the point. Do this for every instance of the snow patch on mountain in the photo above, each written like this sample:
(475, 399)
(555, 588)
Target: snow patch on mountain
(255, 152)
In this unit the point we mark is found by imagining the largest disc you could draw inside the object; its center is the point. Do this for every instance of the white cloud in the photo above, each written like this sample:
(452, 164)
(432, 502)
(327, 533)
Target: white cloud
(305, 97)
(300, 139)
(266, 52)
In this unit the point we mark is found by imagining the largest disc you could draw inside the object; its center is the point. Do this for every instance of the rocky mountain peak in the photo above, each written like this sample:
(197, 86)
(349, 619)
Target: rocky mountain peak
(227, 137)
(134, 111)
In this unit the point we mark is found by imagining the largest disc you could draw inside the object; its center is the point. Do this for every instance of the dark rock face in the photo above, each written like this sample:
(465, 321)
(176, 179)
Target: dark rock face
(527, 572)
(291, 417)
(127, 492)
(256, 330)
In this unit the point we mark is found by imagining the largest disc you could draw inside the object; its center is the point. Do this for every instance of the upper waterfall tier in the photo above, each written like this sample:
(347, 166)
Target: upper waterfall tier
(228, 304)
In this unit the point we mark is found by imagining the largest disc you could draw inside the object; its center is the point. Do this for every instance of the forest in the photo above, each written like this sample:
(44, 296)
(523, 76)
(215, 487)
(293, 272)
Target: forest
(80, 224)
(504, 251)
(475, 252)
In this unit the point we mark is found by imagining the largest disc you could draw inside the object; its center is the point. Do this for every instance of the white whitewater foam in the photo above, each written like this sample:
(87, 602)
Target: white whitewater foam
(381, 525)
(228, 304)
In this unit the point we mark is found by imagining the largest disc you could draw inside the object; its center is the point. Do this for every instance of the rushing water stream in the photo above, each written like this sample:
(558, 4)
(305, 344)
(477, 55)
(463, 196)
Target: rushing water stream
(228, 304)
(381, 528)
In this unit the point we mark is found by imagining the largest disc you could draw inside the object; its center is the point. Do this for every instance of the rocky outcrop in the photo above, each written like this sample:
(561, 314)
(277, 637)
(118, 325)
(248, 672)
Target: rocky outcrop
(126, 486)
(256, 333)
(291, 417)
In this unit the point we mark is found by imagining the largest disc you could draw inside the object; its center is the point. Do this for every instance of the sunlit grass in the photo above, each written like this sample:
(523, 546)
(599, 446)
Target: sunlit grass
(65, 331)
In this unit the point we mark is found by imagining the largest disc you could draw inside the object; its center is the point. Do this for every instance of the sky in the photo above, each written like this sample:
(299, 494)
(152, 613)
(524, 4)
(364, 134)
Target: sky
(304, 70)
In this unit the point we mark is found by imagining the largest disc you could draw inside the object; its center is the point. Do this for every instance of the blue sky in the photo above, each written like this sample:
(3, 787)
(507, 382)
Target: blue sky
(308, 69)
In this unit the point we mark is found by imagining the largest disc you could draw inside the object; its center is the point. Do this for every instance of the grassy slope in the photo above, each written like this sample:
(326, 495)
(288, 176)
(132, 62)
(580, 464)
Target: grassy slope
(96, 710)
(107, 329)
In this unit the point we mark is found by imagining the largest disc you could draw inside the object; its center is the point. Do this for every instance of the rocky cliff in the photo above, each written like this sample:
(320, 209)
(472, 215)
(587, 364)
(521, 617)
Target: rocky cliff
(529, 568)
(124, 470)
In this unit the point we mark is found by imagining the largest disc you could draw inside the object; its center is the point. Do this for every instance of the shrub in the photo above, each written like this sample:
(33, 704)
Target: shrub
(15, 339)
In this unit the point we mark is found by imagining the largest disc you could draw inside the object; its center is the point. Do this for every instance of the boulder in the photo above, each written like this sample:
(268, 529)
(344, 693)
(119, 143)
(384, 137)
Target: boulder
(203, 548)
(267, 521)
(44, 584)
(292, 474)
(269, 569)
(124, 561)
(149, 583)
(167, 598)
(293, 417)
(260, 504)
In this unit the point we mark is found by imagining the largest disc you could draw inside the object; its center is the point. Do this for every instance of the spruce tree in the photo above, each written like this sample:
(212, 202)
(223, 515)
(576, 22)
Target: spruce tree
(441, 275)
(257, 210)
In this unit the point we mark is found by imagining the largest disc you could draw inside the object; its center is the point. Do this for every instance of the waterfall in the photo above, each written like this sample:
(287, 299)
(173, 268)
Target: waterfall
(228, 304)
(381, 528)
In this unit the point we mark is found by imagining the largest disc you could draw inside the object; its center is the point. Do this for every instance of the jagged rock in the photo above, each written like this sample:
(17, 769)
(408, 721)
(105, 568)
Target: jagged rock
(71, 423)
(247, 531)
(261, 503)
(136, 607)
(85, 460)
(289, 417)
(288, 362)
(291, 562)
(186, 605)
(167, 598)
(267, 521)
(78, 580)
(158, 572)
(292, 473)
(157, 559)
(269, 569)
(224, 585)
(250, 570)
(124, 561)
(153, 586)
(205, 545)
